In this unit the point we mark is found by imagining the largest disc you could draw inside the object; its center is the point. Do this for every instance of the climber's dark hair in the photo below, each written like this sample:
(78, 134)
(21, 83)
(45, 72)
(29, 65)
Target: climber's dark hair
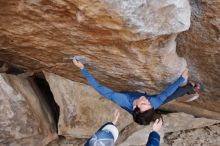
(144, 118)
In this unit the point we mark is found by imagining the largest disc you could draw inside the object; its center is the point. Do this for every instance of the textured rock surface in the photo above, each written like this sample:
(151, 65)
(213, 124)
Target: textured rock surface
(172, 123)
(99, 33)
(23, 119)
(82, 110)
(152, 18)
(200, 46)
(127, 45)
(208, 136)
(79, 121)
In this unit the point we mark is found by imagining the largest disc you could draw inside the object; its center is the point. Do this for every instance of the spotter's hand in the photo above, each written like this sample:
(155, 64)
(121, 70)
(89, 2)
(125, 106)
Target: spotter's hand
(157, 125)
(116, 116)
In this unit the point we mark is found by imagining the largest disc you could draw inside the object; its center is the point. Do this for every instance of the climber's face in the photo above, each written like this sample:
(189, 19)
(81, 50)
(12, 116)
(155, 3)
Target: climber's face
(142, 103)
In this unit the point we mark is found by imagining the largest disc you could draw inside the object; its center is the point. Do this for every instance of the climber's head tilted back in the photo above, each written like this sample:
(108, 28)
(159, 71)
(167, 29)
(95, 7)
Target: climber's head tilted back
(143, 112)
(144, 108)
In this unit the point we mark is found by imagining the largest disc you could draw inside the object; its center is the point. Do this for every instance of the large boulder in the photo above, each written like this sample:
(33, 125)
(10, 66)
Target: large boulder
(24, 120)
(129, 45)
(208, 135)
(173, 123)
(82, 109)
(200, 46)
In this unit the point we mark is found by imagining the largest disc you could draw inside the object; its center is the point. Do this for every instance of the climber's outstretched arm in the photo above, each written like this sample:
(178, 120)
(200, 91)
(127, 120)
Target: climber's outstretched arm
(118, 98)
(160, 98)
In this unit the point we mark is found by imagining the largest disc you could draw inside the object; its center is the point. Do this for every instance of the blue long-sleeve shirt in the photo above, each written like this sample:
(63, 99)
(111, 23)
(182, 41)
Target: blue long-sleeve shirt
(153, 139)
(125, 100)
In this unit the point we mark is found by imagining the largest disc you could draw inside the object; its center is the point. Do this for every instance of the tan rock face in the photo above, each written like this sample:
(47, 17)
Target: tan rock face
(173, 122)
(126, 45)
(201, 48)
(23, 119)
(202, 136)
(82, 110)
(122, 48)
(150, 18)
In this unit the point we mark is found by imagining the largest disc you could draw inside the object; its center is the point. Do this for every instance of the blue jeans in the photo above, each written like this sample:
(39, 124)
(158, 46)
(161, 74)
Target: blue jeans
(181, 91)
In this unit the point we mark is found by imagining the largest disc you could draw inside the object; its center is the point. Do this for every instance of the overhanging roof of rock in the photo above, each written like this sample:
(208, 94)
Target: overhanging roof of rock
(128, 45)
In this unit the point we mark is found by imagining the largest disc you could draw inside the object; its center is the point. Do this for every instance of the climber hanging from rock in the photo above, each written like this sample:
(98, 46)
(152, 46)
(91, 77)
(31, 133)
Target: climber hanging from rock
(107, 135)
(140, 105)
